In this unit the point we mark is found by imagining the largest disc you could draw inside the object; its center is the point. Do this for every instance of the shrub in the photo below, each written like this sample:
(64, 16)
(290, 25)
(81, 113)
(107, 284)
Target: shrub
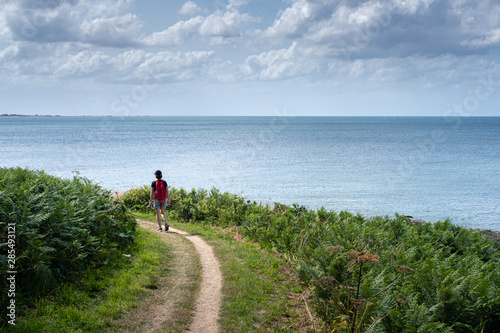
(209, 207)
(137, 198)
(455, 287)
(61, 227)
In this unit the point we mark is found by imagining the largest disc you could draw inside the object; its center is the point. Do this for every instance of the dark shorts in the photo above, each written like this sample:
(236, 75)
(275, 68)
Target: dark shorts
(161, 204)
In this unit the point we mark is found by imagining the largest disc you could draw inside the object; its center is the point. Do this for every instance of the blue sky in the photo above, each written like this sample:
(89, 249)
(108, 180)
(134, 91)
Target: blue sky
(250, 57)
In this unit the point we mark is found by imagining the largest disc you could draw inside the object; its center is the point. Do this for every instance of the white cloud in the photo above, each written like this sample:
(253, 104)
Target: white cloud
(37, 21)
(113, 31)
(9, 52)
(389, 28)
(84, 63)
(357, 68)
(490, 40)
(279, 64)
(380, 42)
(224, 24)
(479, 23)
(235, 4)
(127, 60)
(5, 11)
(172, 66)
(220, 27)
(30, 62)
(412, 6)
(103, 8)
(87, 21)
(189, 8)
(174, 35)
(295, 20)
(58, 64)
(363, 28)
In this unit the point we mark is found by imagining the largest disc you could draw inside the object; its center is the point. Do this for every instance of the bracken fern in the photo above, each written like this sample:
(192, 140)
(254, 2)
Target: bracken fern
(62, 226)
(455, 287)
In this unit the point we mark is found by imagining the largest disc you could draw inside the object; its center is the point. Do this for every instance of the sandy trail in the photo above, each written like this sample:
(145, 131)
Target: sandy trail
(209, 300)
(208, 304)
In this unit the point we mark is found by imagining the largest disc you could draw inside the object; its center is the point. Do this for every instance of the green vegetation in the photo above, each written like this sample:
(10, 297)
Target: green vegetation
(52, 232)
(455, 286)
(137, 199)
(81, 264)
(259, 287)
(98, 299)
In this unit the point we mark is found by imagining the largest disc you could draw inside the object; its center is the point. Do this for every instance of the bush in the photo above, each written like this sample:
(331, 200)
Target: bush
(453, 266)
(455, 286)
(137, 198)
(60, 227)
(208, 207)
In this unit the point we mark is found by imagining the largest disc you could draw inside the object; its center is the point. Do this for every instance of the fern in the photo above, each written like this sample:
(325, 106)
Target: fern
(455, 287)
(61, 226)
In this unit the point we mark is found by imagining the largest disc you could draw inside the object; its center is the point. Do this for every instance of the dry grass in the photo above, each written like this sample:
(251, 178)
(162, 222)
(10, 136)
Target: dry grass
(169, 303)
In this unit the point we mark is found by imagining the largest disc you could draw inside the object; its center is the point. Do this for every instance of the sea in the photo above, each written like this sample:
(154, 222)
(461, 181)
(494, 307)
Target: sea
(431, 168)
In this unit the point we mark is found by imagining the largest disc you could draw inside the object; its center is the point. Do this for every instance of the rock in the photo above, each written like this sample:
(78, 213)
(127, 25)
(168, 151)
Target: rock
(495, 235)
(415, 221)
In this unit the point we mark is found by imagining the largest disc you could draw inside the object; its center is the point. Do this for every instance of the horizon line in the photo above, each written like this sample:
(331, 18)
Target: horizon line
(236, 116)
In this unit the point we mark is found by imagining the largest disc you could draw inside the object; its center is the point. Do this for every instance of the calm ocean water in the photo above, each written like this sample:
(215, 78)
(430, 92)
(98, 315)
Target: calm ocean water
(429, 168)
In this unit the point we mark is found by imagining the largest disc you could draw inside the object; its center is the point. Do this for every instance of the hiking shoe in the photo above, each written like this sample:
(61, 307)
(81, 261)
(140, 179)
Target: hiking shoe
(159, 229)
(166, 226)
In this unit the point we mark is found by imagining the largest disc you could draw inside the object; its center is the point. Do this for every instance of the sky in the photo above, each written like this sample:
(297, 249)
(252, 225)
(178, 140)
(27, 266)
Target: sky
(250, 57)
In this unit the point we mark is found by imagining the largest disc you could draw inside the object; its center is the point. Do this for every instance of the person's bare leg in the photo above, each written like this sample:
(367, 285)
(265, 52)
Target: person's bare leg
(164, 215)
(164, 218)
(158, 218)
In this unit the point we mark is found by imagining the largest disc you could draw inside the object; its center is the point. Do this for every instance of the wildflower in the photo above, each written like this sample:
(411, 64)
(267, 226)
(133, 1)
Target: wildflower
(363, 256)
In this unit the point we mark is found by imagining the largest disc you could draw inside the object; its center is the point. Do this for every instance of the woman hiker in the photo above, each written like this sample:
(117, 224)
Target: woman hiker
(161, 198)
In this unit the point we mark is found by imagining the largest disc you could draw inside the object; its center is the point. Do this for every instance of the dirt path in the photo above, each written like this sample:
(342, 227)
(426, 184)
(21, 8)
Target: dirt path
(209, 300)
(206, 313)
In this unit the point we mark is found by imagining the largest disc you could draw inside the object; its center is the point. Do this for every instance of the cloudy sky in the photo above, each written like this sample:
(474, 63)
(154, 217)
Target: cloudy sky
(250, 57)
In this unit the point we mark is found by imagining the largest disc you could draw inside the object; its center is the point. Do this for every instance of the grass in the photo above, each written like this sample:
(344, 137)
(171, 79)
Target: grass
(456, 280)
(454, 287)
(256, 286)
(93, 303)
(56, 229)
(170, 305)
(260, 291)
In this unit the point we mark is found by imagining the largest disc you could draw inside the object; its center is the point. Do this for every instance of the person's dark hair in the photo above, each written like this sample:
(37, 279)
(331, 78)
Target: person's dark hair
(158, 174)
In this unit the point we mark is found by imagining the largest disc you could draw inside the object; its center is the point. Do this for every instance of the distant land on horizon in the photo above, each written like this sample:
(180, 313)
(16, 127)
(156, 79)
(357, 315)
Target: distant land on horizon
(208, 116)
(27, 115)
